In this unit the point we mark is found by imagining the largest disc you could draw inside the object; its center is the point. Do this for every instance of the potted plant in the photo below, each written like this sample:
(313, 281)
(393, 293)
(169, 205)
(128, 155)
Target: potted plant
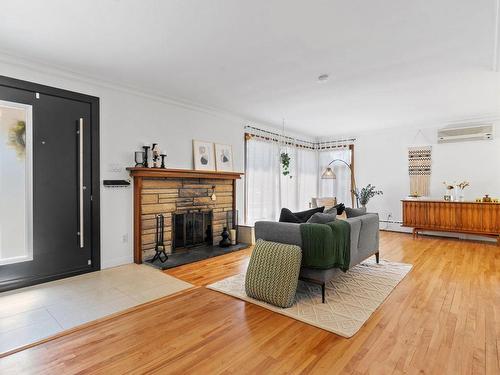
(365, 194)
(285, 164)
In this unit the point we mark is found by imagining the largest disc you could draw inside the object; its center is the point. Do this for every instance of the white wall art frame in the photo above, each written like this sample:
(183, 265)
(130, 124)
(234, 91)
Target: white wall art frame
(203, 154)
(224, 157)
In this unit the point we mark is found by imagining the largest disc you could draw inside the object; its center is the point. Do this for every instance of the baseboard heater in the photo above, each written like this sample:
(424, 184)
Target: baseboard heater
(391, 221)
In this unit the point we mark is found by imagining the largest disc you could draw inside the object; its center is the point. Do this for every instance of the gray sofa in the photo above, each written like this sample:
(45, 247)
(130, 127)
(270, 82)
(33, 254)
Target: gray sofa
(364, 243)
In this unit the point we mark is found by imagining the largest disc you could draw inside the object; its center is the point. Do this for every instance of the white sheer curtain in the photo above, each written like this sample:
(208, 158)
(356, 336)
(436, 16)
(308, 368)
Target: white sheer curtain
(306, 177)
(341, 186)
(262, 180)
(267, 190)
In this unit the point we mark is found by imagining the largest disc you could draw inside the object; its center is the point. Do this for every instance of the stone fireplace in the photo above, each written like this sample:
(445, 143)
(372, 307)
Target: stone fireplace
(192, 201)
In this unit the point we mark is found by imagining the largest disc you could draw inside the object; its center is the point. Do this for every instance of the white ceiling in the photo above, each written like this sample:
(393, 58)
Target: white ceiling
(391, 62)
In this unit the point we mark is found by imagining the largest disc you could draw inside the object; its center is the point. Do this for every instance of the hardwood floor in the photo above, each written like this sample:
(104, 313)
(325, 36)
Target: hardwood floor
(443, 318)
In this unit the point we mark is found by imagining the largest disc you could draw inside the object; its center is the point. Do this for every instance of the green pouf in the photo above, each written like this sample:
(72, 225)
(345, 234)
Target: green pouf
(273, 273)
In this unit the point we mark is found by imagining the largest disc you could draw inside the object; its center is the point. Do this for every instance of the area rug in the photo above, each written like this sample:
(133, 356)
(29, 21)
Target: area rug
(351, 297)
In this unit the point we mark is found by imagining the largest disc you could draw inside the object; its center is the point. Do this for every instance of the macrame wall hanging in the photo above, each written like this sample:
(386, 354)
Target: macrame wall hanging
(419, 168)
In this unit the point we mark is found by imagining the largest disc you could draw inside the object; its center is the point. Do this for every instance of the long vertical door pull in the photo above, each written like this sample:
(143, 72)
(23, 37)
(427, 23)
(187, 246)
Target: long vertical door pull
(82, 187)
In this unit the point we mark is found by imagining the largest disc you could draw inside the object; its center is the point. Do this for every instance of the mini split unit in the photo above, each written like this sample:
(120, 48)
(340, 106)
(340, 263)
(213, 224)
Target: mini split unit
(466, 133)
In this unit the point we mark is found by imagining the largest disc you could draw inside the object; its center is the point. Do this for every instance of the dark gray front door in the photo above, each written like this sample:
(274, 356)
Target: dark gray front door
(61, 199)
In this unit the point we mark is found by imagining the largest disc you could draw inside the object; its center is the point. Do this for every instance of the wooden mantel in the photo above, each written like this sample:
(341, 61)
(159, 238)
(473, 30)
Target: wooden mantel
(149, 200)
(182, 173)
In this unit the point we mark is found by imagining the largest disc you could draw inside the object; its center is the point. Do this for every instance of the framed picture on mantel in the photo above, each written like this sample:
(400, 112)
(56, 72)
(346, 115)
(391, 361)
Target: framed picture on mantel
(224, 157)
(203, 154)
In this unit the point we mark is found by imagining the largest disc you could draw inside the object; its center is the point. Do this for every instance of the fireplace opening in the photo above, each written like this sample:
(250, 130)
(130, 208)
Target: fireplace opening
(191, 229)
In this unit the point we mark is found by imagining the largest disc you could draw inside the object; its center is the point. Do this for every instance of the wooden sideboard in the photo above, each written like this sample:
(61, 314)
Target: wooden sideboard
(459, 217)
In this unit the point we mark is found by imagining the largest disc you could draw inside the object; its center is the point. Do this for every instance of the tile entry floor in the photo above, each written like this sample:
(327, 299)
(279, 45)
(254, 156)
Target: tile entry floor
(36, 312)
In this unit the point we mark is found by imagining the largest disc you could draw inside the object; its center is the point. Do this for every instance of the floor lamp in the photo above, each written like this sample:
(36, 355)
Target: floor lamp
(329, 174)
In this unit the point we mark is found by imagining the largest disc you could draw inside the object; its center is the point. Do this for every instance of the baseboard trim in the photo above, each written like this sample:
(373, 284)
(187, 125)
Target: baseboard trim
(115, 262)
(447, 235)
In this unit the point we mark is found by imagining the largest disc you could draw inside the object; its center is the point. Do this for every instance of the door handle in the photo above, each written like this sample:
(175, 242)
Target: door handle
(81, 187)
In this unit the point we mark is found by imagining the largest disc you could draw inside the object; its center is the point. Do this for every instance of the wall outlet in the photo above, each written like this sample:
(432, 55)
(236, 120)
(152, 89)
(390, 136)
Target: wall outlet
(125, 238)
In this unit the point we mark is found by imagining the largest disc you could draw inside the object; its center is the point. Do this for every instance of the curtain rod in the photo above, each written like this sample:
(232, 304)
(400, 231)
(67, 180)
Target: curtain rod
(271, 136)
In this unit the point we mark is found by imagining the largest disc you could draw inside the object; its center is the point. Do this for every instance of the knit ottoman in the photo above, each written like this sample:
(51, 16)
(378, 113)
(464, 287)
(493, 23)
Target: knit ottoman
(273, 273)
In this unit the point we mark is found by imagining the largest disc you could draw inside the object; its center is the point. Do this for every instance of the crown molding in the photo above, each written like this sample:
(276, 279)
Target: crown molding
(67, 74)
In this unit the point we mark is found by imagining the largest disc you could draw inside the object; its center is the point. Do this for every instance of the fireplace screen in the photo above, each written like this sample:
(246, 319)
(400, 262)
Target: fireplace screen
(191, 229)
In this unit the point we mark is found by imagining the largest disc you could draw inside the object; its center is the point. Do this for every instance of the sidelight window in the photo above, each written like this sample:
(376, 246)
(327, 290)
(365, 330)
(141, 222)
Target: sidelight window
(16, 192)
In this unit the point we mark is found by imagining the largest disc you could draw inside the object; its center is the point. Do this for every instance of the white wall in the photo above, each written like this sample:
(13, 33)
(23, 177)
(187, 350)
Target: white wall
(127, 121)
(381, 159)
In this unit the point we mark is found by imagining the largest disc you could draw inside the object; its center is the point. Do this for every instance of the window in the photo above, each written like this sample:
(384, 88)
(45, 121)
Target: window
(341, 186)
(268, 190)
(262, 179)
(15, 183)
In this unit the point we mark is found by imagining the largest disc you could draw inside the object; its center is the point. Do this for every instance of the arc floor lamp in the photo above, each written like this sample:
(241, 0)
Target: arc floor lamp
(329, 174)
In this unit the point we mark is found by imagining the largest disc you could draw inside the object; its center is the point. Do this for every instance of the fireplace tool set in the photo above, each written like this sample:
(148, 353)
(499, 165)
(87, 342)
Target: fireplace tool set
(161, 253)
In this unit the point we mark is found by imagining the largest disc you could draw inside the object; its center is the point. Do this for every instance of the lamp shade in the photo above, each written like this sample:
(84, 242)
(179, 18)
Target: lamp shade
(329, 174)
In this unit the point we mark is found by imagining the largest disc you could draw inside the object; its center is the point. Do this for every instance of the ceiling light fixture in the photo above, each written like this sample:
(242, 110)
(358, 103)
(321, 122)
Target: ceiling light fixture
(323, 78)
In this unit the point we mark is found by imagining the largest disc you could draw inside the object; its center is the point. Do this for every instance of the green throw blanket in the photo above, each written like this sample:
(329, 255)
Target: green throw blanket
(326, 245)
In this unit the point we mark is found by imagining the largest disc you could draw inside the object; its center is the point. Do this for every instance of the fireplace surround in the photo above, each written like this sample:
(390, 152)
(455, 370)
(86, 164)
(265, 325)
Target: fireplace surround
(168, 191)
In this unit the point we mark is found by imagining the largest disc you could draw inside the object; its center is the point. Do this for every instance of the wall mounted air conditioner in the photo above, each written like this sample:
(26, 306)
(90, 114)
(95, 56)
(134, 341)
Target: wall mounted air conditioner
(466, 133)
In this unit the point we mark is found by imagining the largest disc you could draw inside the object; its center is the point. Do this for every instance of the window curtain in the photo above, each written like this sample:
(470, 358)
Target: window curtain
(262, 180)
(341, 186)
(306, 177)
(301, 185)
(268, 190)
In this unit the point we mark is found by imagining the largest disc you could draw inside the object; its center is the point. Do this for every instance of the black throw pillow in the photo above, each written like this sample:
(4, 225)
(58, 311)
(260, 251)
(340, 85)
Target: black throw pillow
(305, 215)
(288, 216)
(338, 209)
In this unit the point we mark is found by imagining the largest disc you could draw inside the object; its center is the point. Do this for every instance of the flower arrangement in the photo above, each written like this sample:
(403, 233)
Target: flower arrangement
(17, 138)
(451, 187)
(366, 193)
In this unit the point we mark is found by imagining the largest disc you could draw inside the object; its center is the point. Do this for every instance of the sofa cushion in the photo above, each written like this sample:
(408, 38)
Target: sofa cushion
(321, 218)
(288, 233)
(273, 273)
(354, 212)
(288, 216)
(338, 209)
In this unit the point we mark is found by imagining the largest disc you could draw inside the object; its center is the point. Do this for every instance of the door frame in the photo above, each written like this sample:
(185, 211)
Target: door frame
(95, 183)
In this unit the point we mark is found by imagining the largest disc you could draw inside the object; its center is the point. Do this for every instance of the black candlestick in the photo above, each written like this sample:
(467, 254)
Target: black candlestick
(146, 148)
(163, 156)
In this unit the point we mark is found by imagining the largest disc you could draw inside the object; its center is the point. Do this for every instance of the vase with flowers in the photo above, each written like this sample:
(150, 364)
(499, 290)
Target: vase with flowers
(460, 188)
